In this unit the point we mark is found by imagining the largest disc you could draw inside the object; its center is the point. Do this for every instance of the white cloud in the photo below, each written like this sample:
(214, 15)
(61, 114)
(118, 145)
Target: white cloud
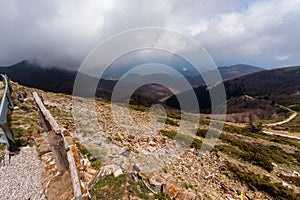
(284, 57)
(198, 28)
(230, 24)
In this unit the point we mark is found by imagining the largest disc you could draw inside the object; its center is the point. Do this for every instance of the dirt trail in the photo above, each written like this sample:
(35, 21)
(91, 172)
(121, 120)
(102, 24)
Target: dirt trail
(291, 117)
(282, 135)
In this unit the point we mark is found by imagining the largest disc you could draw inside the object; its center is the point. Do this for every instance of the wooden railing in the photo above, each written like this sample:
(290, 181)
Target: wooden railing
(59, 146)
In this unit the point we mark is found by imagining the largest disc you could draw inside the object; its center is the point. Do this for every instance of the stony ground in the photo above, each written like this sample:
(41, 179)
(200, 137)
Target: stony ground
(20, 176)
(227, 173)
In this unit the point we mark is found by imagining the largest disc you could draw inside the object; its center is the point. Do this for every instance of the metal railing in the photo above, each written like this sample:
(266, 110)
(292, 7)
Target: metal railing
(6, 136)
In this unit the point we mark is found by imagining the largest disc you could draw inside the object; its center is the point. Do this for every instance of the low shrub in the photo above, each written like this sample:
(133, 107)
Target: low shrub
(263, 183)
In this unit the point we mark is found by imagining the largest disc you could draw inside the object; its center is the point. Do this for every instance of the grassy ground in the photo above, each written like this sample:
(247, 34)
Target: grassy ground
(111, 188)
(2, 148)
(271, 156)
(24, 121)
(263, 183)
(253, 157)
(293, 126)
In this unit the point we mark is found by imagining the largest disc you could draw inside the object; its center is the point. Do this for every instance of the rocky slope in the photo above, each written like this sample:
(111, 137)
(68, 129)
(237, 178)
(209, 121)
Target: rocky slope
(244, 164)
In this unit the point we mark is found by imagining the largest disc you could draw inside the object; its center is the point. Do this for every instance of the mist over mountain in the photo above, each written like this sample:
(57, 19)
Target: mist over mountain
(226, 72)
(268, 84)
(52, 79)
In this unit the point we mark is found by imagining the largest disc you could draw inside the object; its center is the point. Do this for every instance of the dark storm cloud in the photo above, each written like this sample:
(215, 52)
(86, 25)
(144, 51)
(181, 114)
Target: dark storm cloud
(263, 33)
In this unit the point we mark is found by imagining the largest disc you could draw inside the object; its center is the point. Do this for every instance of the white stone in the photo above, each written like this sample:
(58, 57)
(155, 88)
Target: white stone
(118, 172)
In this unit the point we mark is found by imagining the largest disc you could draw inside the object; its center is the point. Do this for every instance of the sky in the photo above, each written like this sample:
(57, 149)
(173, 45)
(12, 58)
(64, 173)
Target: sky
(62, 33)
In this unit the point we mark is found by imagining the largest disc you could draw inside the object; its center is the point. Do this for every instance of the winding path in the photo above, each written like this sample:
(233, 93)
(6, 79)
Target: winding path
(282, 135)
(291, 117)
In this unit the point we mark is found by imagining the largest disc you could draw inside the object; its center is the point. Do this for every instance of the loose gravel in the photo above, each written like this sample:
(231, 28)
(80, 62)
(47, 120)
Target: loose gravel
(20, 176)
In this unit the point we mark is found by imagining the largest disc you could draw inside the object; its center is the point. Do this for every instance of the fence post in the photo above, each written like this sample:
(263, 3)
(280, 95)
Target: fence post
(57, 140)
(58, 149)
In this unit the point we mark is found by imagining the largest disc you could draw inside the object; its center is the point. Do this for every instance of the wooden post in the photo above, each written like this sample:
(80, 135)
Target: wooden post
(60, 146)
(58, 149)
(74, 176)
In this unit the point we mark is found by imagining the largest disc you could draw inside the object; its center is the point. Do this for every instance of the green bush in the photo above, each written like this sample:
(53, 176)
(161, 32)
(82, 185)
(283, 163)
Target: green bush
(201, 132)
(171, 122)
(2, 146)
(205, 133)
(181, 138)
(254, 128)
(258, 159)
(174, 115)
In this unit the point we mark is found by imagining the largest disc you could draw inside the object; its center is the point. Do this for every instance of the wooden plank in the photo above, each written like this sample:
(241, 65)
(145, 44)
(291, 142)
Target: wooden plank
(74, 176)
(70, 157)
(46, 113)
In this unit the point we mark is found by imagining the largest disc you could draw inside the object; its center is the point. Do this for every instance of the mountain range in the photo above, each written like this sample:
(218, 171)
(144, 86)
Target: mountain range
(56, 79)
(267, 84)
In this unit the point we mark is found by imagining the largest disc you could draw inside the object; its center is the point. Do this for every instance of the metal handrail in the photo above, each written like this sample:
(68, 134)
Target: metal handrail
(6, 103)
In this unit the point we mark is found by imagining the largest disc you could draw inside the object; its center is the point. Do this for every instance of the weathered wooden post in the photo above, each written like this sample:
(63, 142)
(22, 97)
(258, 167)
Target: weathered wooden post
(58, 149)
(63, 155)
(54, 137)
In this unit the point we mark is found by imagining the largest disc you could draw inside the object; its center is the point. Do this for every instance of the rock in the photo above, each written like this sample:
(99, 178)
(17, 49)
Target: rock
(151, 143)
(118, 172)
(285, 184)
(158, 188)
(126, 153)
(110, 169)
(295, 173)
(43, 149)
(173, 192)
(91, 171)
(136, 168)
(209, 176)
(134, 177)
(151, 148)
(156, 181)
(145, 175)
(131, 137)
(153, 182)
(274, 164)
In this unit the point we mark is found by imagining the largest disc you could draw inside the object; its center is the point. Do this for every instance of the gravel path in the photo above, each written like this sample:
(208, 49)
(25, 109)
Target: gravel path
(20, 178)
